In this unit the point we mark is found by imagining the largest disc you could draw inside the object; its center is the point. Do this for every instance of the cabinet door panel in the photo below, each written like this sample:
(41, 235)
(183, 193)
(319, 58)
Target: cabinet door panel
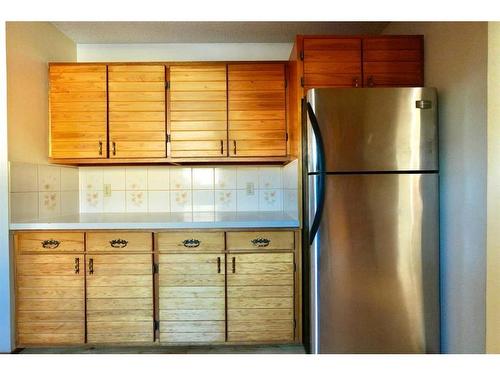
(332, 62)
(257, 97)
(119, 292)
(192, 294)
(393, 61)
(137, 96)
(50, 306)
(198, 114)
(260, 298)
(78, 96)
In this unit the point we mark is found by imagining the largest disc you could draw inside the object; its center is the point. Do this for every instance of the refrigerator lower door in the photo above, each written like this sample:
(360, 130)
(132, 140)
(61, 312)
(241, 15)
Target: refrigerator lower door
(377, 265)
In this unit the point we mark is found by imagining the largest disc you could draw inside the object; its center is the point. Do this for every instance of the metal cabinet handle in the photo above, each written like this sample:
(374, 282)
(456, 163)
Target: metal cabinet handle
(222, 147)
(50, 244)
(118, 243)
(77, 265)
(114, 148)
(260, 242)
(370, 82)
(234, 265)
(218, 264)
(234, 147)
(191, 243)
(91, 266)
(100, 147)
(355, 82)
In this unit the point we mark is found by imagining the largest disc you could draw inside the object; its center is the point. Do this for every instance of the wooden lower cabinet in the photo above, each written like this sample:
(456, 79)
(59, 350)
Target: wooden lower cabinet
(192, 297)
(260, 297)
(50, 308)
(120, 298)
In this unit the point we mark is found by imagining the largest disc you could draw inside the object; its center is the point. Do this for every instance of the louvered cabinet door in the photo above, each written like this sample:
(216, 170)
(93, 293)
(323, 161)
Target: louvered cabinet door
(192, 297)
(260, 297)
(393, 61)
(332, 62)
(119, 298)
(198, 115)
(137, 122)
(78, 111)
(50, 302)
(257, 110)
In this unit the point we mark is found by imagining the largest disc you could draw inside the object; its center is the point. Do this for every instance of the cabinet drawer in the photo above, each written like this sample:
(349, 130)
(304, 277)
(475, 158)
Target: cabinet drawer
(190, 241)
(119, 241)
(260, 240)
(50, 242)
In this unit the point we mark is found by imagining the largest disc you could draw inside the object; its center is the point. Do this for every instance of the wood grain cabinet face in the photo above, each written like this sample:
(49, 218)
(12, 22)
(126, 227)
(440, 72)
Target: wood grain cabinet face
(198, 111)
(393, 61)
(137, 119)
(192, 297)
(119, 298)
(78, 111)
(50, 295)
(260, 297)
(257, 110)
(332, 62)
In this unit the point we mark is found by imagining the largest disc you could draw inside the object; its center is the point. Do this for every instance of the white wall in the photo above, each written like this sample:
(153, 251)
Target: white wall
(455, 63)
(184, 52)
(493, 232)
(30, 45)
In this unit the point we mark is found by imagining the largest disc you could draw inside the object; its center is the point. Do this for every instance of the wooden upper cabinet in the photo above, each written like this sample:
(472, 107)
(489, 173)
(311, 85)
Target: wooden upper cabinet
(198, 111)
(332, 62)
(78, 111)
(257, 109)
(137, 119)
(393, 61)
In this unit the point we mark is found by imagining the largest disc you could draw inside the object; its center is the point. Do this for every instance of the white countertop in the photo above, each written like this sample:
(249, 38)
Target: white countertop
(196, 220)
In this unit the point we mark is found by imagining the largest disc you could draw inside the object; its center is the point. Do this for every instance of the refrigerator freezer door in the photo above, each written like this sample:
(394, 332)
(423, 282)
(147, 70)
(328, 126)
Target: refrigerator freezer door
(377, 265)
(382, 129)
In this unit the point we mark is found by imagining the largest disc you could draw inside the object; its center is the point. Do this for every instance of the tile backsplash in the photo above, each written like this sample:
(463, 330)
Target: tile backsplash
(44, 191)
(187, 189)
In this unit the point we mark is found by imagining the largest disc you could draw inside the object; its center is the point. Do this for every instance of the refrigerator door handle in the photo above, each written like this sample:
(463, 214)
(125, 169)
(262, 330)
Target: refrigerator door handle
(320, 203)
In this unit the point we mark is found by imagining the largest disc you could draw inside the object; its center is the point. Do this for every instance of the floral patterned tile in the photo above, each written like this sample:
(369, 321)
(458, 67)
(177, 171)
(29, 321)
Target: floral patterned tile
(247, 176)
(91, 201)
(49, 204)
(180, 201)
(225, 178)
(180, 178)
(225, 200)
(91, 178)
(114, 177)
(136, 178)
(137, 201)
(203, 178)
(49, 178)
(270, 178)
(270, 200)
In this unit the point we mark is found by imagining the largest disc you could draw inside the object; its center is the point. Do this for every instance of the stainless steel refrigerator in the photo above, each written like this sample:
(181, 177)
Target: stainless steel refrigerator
(371, 219)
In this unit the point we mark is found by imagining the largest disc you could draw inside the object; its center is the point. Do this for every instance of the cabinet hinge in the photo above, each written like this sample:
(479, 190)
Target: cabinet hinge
(286, 136)
(156, 268)
(302, 55)
(168, 138)
(294, 267)
(302, 81)
(286, 83)
(167, 85)
(294, 324)
(156, 325)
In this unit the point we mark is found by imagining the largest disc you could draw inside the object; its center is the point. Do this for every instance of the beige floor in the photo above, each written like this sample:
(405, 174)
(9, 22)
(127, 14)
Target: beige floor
(222, 349)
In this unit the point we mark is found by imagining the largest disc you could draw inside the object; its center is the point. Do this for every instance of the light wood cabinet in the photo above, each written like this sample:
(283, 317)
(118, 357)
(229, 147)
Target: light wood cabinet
(192, 297)
(260, 297)
(257, 110)
(137, 114)
(198, 111)
(78, 111)
(50, 290)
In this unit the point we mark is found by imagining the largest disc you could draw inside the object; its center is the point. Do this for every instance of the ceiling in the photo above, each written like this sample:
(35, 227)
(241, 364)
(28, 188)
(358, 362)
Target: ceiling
(207, 32)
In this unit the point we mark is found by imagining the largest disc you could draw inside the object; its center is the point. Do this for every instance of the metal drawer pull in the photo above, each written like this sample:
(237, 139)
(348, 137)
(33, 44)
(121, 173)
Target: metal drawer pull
(234, 146)
(260, 242)
(118, 243)
(222, 147)
(100, 147)
(77, 265)
(191, 243)
(50, 244)
(114, 148)
(234, 265)
(91, 266)
(218, 264)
